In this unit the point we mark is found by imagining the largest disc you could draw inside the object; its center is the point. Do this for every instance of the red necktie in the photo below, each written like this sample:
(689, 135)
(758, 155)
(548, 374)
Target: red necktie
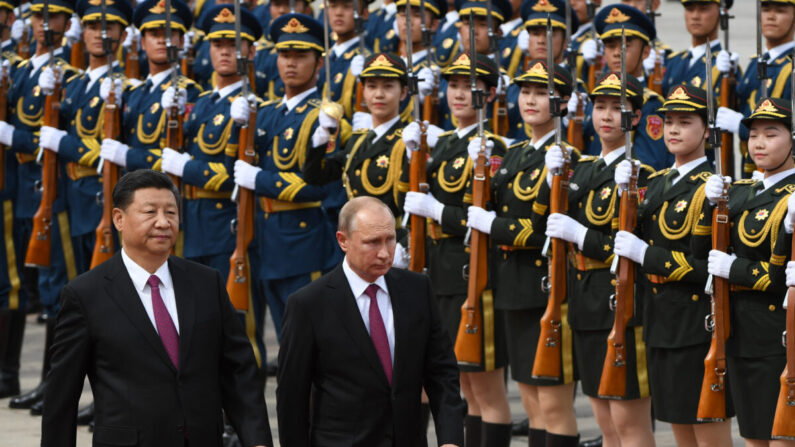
(163, 322)
(378, 332)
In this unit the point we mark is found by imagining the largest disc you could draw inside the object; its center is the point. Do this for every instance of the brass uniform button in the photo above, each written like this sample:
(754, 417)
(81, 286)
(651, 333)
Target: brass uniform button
(302, 224)
(579, 276)
(206, 173)
(505, 208)
(613, 282)
(694, 297)
(279, 183)
(219, 205)
(772, 308)
(149, 159)
(653, 217)
(654, 289)
(538, 263)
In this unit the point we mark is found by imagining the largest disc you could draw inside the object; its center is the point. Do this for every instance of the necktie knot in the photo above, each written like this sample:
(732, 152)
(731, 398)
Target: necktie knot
(148, 84)
(215, 97)
(154, 282)
(371, 291)
(669, 179)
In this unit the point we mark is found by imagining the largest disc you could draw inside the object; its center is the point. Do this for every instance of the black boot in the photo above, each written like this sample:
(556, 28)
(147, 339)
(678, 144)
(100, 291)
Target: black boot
(472, 425)
(85, 414)
(595, 442)
(26, 401)
(537, 438)
(520, 428)
(37, 409)
(554, 440)
(12, 331)
(495, 435)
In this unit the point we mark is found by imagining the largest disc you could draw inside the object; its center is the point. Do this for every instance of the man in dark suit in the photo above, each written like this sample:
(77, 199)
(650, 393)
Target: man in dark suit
(156, 335)
(361, 342)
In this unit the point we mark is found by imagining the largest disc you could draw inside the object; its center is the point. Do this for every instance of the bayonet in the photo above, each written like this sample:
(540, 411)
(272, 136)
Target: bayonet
(477, 94)
(358, 27)
(714, 132)
(107, 49)
(761, 61)
(554, 99)
(571, 55)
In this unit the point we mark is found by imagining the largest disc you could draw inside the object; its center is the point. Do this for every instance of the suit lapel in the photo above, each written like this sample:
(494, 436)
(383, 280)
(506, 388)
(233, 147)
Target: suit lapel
(120, 288)
(186, 310)
(400, 318)
(352, 320)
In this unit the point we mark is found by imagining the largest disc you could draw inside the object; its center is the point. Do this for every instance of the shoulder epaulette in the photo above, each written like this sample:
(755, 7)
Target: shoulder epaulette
(675, 54)
(137, 85)
(314, 102)
(270, 102)
(745, 181)
(649, 170)
(517, 144)
(205, 93)
(70, 78)
(363, 130)
(185, 82)
(659, 173)
(788, 188)
(703, 176)
(444, 134)
(649, 94)
(25, 62)
(587, 158)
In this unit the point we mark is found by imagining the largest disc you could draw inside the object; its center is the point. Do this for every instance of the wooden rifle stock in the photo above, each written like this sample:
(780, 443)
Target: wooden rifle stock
(186, 65)
(469, 341)
(3, 112)
(593, 70)
(547, 362)
(238, 284)
(727, 85)
(174, 132)
(40, 245)
(574, 132)
(418, 183)
(104, 245)
(430, 108)
(784, 422)
(132, 67)
(712, 402)
(655, 80)
(359, 106)
(613, 384)
(500, 115)
(77, 56)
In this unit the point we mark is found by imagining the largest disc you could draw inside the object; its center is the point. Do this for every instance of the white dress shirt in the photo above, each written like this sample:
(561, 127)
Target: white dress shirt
(613, 155)
(358, 286)
(158, 78)
(381, 129)
(140, 277)
(226, 91)
(340, 48)
(291, 103)
(686, 168)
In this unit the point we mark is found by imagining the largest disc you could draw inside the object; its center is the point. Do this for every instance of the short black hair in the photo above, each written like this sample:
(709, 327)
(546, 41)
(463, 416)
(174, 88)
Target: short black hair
(130, 182)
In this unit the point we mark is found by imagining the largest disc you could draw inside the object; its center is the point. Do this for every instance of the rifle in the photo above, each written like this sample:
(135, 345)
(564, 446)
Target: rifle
(40, 245)
(4, 85)
(655, 80)
(360, 105)
(23, 46)
(417, 171)
(613, 384)
(712, 402)
(174, 118)
(598, 64)
(784, 421)
(761, 61)
(500, 106)
(547, 362)
(132, 67)
(238, 284)
(104, 246)
(574, 133)
(187, 61)
(727, 85)
(469, 341)
(77, 55)
(332, 109)
(430, 106)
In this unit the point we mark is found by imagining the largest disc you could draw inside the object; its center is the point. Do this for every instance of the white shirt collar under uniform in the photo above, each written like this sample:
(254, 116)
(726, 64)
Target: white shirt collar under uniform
(341, 48)
(381, 129)
(775, 178)
(226, 91)
(776, 52)
(463, 132)
(686, 168)
(697, 52)
(158, 79)
(295, 100)
(38, 61)
(613, 155)
(543, 140)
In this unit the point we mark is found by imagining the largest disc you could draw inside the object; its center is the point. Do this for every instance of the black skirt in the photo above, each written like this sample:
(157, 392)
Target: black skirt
(495, 350)
(590, 348)
(522, 329)
(676, 375)
(754, 384)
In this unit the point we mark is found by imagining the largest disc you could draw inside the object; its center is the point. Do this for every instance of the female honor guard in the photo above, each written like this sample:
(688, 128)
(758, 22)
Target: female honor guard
(588, 227)
(520, 266)
(450, 170)
(674, 302)
(757, 210)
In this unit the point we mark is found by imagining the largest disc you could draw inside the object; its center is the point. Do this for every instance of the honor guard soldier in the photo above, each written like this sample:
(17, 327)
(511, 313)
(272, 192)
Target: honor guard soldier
(449, 171)
(294, 236)
(262, 11)
(8, 45)
(754, 266)
(779, 30)
(447, 34)
(19, 133)
(267, 82)
(648, 141)
(145, 106)
(381, 33)
(510, 29)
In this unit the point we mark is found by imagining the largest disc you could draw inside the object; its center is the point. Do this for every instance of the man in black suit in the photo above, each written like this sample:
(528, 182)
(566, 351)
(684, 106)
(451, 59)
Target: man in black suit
(156, 335)
(361, 342)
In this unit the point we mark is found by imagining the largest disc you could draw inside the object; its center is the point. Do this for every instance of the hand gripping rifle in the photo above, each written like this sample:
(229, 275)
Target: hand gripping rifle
(547, 364)
(104, 246)
(574, 133)
(613, 384)
(599, 64)
(331, 109)
(469, 342)
(784, 421)
(358, 26)
(727, 99)
(132, 64)
(238, 284)
(430, 105)
(40, 245)
(23, 46)
(174, 118)
(655, 80)
(712, 402)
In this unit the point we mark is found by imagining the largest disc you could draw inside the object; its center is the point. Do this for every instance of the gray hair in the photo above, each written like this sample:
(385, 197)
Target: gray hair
(347, 218)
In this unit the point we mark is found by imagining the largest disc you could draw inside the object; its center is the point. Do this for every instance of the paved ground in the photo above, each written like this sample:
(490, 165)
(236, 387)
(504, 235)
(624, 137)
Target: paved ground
(19, 429)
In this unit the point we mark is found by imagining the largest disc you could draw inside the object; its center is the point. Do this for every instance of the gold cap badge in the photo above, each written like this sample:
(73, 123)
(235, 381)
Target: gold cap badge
(544, 6)
(294, 26)
(679, 94)
(616, 16)
(225, 16)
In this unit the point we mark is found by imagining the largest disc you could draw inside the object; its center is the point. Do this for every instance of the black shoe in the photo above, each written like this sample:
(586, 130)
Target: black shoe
(271, 368)
(42, 318)
(9, 386)
(38, 408)
(85, 415)
(520, 428)
(595, 442)
(91, 426)
(27, 400)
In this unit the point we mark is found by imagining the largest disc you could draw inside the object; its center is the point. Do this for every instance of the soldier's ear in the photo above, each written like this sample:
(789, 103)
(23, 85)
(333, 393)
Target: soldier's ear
(636, 115)
(492, 94)
(403, 92)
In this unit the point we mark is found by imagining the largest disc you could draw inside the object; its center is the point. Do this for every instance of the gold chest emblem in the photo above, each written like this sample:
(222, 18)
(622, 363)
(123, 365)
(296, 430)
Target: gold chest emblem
(761, 215)
(94, 101)
(382, 162)
(680, 206)
(218, 119)
(288, 134)
(458, 163)
(337, 78)
(506, 52)
(696, 81)
(605, 192)
(36, 91)
(447, 43)
(154, 107)
(534, 174)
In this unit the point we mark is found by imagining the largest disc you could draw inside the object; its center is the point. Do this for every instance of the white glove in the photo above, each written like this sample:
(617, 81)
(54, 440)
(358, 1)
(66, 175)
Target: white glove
(132, 33)
(630, 246)
(401, 257)
(571, 106)
(432, 134)
(320, 136)
(424, 205)
(174, 162)
(18, 29)
(47, 80)
(623, 173)
(75, 31)
(561, 226)
(480, 219)
(170, 98)
(427, 81)
(50, 138)
(246, 175)
(553, 160)
(720, 263)
(357, 65)
(790, 273)
(590, 51)
(502, 84)
(651, 59)
(104, 89)
(713, 189)
(362, 120)
(240, 109)
(114, 151)
(474, 149)
(728, 120)
(789, 222)
(5, 67)
(325, 120)
(6, 133)
(411, 137)
(724, 61)
(187, 41)
(523, 40)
